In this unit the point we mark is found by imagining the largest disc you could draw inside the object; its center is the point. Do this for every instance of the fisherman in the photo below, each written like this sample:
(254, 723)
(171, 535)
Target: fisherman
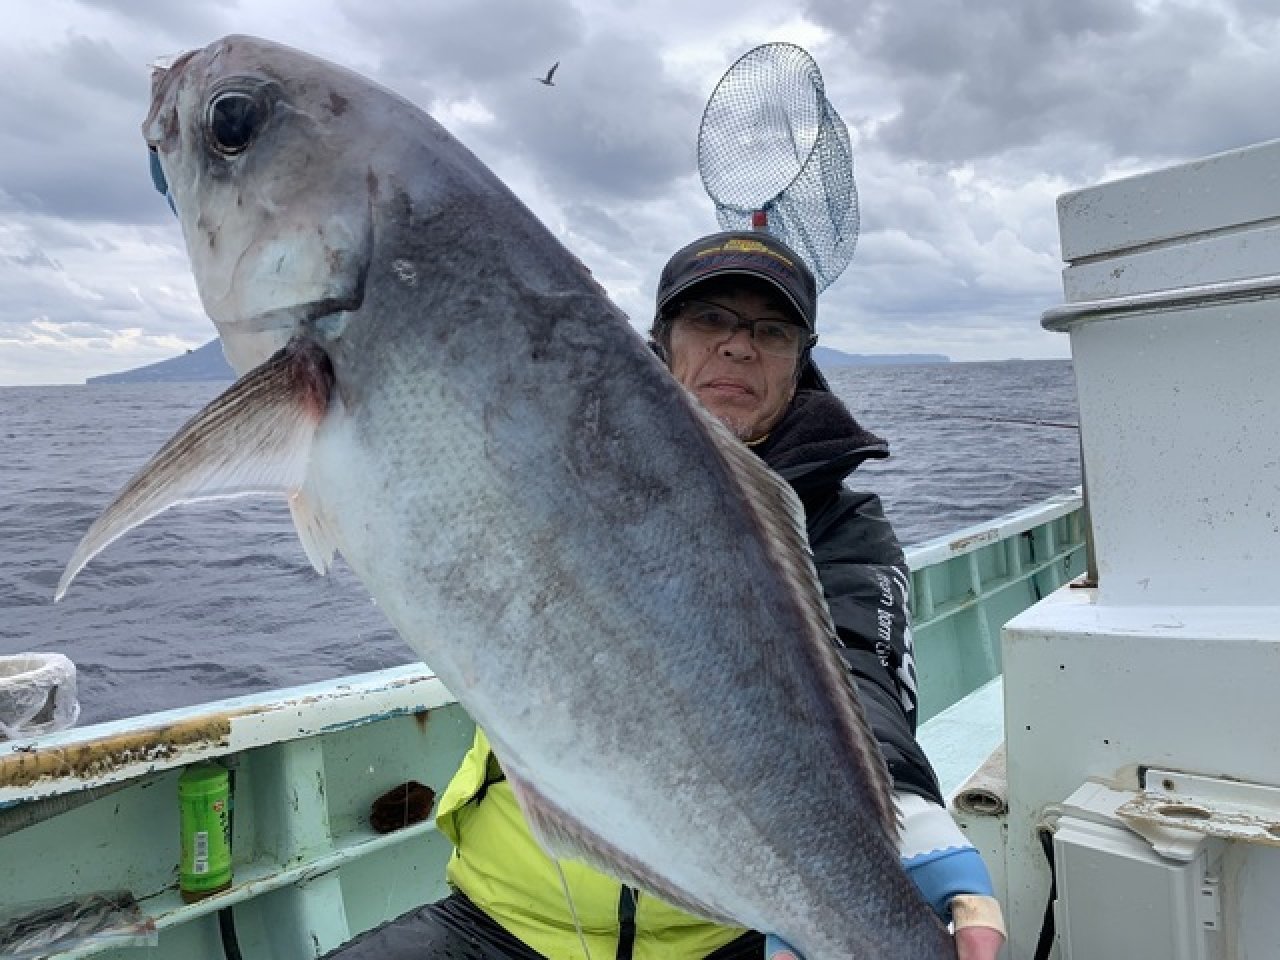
(735, 324)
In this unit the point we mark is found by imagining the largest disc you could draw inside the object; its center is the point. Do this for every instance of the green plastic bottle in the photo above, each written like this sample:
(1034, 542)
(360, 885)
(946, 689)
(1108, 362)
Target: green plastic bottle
(204, 800)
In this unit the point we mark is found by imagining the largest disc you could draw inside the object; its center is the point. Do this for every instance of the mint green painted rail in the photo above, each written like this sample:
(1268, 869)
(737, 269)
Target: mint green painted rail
(95, 809)
(967, 585)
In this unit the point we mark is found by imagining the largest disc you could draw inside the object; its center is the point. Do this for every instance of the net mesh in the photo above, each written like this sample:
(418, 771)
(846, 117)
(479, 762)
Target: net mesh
(771, 141)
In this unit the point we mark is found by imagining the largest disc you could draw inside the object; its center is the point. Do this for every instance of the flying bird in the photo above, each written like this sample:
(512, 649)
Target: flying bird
(547, 79)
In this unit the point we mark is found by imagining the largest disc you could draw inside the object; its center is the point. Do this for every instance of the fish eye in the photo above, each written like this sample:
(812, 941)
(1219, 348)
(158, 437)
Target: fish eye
(233, 119)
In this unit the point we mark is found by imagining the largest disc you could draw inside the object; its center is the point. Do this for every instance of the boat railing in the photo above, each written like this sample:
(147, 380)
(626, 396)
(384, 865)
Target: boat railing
(968, 584)
(91, 810)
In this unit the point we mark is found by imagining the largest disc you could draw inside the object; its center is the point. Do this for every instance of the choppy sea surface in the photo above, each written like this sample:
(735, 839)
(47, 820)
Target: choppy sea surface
(216, 600)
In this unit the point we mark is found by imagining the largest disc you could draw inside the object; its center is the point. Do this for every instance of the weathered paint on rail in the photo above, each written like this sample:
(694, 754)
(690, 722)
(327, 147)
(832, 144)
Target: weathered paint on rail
(94, 759)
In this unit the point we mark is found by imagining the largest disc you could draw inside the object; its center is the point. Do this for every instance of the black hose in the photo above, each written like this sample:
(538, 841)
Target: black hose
(1044, 946)
(227, 929)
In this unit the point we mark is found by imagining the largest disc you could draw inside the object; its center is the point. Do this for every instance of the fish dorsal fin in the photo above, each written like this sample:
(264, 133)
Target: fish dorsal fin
(254, 438)
(561, 835)
(782, 520)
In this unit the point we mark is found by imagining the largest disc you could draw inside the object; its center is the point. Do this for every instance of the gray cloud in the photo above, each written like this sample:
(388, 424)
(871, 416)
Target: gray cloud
(463, 47)
(97, 65)
(615, 126)
(70, 145)
(207, 19)
(610, 128)
(30, 258)
(968, 119)
(973, 80)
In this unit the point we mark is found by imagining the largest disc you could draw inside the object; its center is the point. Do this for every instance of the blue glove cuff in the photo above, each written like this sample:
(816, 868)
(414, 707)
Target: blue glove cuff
(941, 874)
(775, 948)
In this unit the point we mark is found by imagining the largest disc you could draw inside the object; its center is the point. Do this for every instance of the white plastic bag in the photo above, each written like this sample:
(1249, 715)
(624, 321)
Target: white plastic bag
(38, 930)
(37, 694)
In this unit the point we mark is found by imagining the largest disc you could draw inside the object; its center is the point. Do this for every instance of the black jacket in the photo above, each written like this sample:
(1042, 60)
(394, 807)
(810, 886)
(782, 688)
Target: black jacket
(862, 568)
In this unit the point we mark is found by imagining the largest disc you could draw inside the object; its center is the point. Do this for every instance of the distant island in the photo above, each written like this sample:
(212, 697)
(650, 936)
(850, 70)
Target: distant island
(827, 358)
(208, 363)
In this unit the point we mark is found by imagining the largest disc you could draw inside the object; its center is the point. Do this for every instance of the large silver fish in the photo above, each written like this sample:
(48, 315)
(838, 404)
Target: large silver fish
(616, 589)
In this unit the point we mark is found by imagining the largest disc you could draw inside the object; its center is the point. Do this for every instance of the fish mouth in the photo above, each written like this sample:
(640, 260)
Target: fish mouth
(249, 341)
(308, 315)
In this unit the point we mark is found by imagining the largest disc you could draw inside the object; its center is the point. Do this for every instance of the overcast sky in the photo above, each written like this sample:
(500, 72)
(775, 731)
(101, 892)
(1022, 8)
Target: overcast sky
(967, 118)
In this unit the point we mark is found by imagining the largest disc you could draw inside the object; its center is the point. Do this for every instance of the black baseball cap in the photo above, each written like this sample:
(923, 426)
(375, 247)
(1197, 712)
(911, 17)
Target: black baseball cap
(752, 253)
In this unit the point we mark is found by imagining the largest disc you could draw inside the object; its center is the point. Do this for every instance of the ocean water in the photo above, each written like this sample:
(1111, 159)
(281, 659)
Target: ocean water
(216, 600)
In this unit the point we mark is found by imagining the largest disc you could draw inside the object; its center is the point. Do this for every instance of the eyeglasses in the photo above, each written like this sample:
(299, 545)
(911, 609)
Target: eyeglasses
(779, 338)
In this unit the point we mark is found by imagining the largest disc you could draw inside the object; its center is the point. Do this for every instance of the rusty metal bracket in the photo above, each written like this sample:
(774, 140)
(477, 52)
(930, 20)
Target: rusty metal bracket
(1212, 806)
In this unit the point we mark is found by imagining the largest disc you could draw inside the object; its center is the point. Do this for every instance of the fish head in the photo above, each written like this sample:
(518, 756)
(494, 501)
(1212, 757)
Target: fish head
(265, 154)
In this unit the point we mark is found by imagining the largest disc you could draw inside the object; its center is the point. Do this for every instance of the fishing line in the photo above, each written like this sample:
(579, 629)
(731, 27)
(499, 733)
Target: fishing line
(1026, 421)
(573, 911)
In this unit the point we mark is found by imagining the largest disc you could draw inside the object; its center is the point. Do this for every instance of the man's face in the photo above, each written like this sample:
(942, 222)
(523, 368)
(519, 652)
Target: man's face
(747, 388)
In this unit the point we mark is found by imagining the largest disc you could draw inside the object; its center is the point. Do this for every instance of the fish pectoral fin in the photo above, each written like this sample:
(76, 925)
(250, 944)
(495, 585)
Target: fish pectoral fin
(562, 836)
(254, 438)
(317, 541)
